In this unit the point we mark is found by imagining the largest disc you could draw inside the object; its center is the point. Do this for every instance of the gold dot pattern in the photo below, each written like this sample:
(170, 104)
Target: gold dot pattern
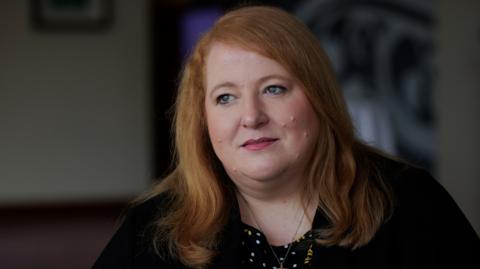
(256, 253)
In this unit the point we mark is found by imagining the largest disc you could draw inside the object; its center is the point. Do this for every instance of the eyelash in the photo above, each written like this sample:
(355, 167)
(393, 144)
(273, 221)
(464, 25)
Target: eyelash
(281, 88)
(268, 90)
(220, 100)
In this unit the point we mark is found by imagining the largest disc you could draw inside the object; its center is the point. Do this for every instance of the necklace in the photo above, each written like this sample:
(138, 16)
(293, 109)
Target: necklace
(283, 259)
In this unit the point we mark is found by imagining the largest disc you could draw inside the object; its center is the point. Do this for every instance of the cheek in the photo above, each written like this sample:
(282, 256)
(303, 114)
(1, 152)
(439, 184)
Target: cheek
(213, 131)
(219, 129)
(301, 121)
(215, 138)
(303, 128)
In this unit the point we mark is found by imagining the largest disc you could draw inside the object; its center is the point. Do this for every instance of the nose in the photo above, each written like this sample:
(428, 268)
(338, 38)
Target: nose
(253, 115)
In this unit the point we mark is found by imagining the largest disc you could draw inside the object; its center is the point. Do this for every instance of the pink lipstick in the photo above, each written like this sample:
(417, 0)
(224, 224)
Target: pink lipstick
(258, 144)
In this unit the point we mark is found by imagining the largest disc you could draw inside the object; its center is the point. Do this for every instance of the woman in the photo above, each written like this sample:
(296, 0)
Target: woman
(269, 174)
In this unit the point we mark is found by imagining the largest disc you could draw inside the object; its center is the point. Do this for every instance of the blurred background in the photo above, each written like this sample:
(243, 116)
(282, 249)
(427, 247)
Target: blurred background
(86, 88)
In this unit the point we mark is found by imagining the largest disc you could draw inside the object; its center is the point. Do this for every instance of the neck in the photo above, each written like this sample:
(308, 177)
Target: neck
(270, 194)
(281, 218)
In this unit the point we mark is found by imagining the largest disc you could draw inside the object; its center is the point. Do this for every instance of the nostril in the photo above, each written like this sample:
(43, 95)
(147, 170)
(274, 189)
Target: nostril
(254, 121)
(253, 114)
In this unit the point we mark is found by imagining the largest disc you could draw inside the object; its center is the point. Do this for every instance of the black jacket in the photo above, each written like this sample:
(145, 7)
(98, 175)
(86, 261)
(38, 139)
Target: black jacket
(426, 230)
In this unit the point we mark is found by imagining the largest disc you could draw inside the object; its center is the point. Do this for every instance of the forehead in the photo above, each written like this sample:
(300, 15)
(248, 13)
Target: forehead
(225, 61)
(223, 53)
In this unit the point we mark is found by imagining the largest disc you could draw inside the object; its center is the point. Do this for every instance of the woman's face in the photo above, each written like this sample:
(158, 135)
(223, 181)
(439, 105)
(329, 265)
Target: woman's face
(260, 123)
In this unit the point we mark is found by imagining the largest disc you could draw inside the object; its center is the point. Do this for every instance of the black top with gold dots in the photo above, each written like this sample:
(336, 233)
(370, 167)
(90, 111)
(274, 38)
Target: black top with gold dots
(415, 236)
(256, 253)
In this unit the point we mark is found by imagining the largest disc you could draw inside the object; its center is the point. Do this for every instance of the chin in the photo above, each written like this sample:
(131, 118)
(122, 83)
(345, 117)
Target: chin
(262, 173)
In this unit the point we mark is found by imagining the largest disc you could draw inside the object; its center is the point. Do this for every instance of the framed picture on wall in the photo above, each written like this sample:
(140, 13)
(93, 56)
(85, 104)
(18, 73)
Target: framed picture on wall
(71, 15)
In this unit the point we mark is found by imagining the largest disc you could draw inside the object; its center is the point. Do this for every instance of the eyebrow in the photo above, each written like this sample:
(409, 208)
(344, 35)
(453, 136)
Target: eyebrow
(261, 80)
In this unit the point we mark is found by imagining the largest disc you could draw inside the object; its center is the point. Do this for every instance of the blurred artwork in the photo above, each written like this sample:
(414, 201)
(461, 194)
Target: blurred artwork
(382, 52)
(71, 15)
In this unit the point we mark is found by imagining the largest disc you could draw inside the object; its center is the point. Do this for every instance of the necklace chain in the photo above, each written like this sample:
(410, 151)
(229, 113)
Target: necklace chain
(280, 262)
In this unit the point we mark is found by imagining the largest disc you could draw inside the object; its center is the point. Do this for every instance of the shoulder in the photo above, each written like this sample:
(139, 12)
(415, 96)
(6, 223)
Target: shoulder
(426, 228)
(132, 246)
(426, 219)
(416, 190)
(408, 182)
(142, 217)
(422, 204)
(150, 209)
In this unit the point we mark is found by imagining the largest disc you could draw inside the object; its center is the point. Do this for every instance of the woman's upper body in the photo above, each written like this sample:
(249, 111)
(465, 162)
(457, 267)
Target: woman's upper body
(426, 229)
(265, 147)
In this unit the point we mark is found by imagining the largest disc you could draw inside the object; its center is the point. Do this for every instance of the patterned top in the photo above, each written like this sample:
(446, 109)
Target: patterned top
(256, 253)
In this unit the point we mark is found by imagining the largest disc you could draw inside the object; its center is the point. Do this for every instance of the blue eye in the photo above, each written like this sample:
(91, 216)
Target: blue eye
(224, 99)
(275, 89)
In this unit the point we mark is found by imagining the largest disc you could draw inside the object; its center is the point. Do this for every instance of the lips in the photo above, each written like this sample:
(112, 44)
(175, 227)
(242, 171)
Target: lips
(258, 144)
